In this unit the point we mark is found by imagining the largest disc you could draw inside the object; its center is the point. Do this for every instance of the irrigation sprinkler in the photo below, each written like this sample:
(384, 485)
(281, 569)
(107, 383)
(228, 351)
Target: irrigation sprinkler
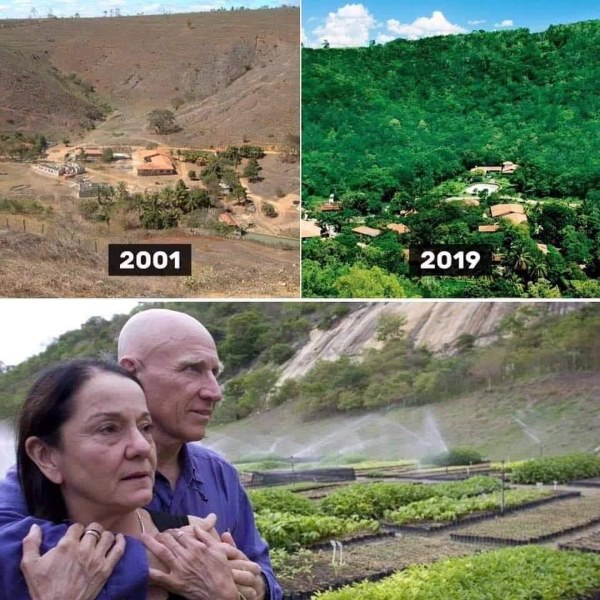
(531, 435)
(501, 487)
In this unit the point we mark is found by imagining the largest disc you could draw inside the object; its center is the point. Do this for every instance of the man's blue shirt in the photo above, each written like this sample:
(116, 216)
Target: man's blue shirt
(207, 483)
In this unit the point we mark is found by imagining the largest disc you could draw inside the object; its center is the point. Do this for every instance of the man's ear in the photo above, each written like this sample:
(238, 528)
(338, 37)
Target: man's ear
(130, 364)
(45, 457)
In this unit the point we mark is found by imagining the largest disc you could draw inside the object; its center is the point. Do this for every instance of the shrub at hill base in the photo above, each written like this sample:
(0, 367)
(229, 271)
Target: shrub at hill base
(455, 457)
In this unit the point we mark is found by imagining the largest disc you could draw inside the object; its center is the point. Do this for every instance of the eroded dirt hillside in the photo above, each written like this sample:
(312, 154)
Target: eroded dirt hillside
(237, 69)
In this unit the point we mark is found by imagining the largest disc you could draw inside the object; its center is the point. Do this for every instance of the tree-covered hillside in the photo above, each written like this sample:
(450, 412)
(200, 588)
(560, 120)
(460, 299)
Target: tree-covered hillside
(396, 128)
(532, 343)
(247, 334)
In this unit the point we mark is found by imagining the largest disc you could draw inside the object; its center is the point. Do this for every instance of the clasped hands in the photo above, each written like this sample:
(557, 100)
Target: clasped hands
(192, 561)
(195, 562)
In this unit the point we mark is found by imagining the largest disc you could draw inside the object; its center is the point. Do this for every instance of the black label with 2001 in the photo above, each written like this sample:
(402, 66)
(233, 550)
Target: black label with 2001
(149, 259)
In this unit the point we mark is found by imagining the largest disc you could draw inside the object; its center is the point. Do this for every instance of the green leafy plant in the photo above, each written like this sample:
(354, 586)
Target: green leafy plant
(561, 469)
(528, 572)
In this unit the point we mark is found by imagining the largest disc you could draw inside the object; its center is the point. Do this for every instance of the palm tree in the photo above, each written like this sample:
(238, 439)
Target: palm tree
(538, 269)
(519, 257)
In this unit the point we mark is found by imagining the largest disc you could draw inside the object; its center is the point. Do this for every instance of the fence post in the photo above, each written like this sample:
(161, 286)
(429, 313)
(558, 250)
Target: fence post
(24, 227)
(96, 246)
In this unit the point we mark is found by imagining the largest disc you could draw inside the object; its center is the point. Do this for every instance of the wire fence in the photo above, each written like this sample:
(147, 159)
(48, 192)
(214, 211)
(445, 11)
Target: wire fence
(59, 232)
(51, 231)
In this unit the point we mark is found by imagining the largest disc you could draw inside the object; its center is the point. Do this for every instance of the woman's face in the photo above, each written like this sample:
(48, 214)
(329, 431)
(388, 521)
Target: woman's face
(107, 458)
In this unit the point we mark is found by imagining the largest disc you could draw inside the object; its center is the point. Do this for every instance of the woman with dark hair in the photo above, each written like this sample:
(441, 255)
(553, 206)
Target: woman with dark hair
(85, 453)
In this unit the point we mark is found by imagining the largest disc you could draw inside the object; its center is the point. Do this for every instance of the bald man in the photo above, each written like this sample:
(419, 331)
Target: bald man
(175, 358)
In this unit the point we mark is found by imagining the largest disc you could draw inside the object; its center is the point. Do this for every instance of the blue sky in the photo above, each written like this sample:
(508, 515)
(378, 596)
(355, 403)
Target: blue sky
(356, 22)
(18, 9)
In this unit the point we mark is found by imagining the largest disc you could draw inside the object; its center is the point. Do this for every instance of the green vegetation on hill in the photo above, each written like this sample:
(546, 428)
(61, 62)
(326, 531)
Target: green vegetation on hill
(18, 146)
(249, 336)
(395, 128)
(532, 342)
(255, 338)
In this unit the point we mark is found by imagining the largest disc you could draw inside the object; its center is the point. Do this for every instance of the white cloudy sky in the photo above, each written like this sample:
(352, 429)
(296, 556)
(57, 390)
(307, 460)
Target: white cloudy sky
(28, 326)
(13, 9)
(358, 23)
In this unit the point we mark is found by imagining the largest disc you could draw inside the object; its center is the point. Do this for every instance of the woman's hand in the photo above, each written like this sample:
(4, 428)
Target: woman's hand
(195, 571)
(77, 568)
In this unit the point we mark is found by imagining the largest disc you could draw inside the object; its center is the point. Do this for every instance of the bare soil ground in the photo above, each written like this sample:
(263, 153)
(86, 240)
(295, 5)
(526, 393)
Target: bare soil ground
(236, 72)
(221, 266)
(232, 77)
(39, 266)
(315, 571)
(279, 186)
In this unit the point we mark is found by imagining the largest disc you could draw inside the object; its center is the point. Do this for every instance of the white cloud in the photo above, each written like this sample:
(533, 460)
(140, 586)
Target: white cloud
(477, 22)
(505, 23)
(424, 27)
(303, 38)
(348, 26)
(383, 38)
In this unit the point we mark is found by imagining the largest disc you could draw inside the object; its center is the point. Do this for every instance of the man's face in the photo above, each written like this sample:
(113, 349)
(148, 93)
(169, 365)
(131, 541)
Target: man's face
(180, 381)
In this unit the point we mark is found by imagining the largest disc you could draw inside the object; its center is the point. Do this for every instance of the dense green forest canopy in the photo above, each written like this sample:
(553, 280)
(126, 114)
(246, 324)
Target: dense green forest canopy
(247, 335)
(387, 126)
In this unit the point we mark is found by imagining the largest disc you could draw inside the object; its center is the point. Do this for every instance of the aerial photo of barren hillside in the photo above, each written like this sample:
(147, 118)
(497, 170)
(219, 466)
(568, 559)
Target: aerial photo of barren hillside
(163, 129)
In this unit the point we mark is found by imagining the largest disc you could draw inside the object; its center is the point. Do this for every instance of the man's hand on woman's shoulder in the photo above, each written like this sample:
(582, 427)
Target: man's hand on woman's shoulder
(76, 568)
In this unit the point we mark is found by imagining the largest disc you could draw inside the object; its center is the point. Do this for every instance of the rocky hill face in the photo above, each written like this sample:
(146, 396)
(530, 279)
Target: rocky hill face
(436, 325)
(232, 73)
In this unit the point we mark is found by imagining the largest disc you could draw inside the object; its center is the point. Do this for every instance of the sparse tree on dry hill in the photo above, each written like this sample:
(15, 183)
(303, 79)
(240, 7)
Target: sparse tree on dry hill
(163, 121)
(291, 150)
(269, 210)
(107, 155)
(177, 102)
(252, 170)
